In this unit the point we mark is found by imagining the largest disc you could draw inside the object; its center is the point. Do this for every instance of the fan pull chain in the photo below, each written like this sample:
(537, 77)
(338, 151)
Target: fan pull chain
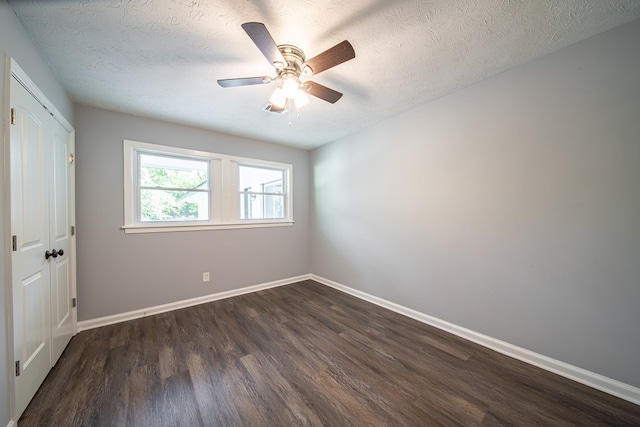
(289, 105)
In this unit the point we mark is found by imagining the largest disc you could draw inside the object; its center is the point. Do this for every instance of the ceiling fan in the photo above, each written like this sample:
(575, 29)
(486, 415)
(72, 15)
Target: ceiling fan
(292, 69)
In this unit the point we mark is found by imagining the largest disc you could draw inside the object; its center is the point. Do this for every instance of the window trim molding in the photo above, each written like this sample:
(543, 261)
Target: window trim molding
(224, 214)
(140, 229)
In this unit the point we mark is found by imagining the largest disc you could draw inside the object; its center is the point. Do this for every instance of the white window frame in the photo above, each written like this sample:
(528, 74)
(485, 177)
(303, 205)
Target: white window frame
(224, 198)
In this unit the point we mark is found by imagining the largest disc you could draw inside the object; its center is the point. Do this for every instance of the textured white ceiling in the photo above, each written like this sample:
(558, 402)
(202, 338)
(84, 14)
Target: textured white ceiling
(161, 58)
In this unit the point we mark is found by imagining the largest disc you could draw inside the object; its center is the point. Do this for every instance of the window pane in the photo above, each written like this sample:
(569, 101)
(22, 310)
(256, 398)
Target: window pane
(260, 206)
(172, 172)
(166, 205)
(261, 193)
(261, 180)
(162, 179)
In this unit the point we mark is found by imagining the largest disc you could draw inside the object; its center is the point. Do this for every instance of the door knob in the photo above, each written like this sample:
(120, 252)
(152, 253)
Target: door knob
(53, 253)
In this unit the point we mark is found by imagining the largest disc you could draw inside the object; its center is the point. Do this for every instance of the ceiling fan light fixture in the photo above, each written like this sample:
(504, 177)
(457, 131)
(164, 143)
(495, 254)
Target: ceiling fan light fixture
(278, 98)
(290, 87)
(301, 99)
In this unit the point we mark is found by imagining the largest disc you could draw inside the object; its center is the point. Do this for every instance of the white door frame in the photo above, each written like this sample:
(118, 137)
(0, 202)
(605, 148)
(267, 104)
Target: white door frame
(13, 69)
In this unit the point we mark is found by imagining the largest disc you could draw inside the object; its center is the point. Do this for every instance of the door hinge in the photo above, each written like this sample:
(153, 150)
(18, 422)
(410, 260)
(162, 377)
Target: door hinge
(74, 302)
(73, 230)
(72, 158)
(13, 116)
(14, 243)
(17, 368)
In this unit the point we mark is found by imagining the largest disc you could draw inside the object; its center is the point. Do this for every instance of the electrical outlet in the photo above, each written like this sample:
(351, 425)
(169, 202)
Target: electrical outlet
(205, 276)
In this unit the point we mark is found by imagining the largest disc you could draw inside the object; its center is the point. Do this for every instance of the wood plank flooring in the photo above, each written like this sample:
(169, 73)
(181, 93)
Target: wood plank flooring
(302, 354)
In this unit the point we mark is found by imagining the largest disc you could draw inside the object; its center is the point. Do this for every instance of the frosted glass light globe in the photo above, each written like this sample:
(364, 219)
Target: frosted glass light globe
(290, 87)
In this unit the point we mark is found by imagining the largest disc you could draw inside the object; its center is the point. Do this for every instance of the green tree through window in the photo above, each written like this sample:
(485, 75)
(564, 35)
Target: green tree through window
(173, 189)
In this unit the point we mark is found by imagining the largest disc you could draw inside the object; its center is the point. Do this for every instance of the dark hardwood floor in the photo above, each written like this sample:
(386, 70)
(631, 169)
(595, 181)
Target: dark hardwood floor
(302, 354)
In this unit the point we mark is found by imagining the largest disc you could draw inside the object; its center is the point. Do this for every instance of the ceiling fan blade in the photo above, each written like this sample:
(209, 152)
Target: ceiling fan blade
(261, 37)
(322, 92)
(245, 81)
(342, 52)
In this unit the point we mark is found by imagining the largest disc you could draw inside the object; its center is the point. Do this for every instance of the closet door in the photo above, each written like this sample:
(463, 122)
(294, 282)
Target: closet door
(30, 171)
(60, 240)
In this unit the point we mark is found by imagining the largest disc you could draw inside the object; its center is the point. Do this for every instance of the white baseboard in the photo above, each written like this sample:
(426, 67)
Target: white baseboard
(591, 379)
(11, 423)
(136, 314)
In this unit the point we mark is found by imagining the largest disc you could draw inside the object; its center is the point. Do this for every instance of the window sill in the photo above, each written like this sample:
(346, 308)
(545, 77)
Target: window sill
(137, 229)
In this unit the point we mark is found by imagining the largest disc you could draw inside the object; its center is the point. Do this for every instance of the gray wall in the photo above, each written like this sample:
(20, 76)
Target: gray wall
(120, 272)
(511, 207)
(15, 42)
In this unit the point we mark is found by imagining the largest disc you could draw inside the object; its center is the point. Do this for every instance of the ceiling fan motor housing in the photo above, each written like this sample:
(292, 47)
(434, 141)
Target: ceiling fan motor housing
(294, 57)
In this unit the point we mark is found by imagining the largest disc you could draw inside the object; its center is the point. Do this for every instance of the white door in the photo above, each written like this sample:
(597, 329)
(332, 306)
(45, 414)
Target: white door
(41, 215)
(60, 240)
(30, 170)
